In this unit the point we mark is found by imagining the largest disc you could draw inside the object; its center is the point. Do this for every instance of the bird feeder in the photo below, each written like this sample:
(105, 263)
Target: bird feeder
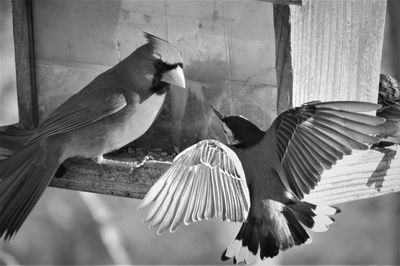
(322, 50)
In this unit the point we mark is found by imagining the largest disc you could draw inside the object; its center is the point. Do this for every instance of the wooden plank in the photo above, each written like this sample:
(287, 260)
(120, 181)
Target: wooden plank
(361, 175)
(334, 52)
(336, 48)
(393, 10)
(24, 63)
(283, 61)
(86, 175)
(285, 2)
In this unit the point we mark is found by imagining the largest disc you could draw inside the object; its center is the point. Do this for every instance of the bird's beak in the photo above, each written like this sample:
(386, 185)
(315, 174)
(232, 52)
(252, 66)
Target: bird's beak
(217, 113)
(174, 77)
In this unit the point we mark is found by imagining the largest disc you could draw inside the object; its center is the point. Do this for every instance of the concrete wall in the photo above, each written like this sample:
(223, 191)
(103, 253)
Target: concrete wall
(228, 48)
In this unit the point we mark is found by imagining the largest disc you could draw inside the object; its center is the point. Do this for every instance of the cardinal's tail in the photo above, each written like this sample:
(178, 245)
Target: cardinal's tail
(278, 228)
(23, 178)
(14, 138)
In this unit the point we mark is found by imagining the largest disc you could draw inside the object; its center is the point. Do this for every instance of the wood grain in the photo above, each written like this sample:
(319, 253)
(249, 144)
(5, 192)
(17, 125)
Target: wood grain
(331, 50)
(24, 63)
(285, 2)
(336, 49)
(361, 175)
(86, 175)
(283, 61)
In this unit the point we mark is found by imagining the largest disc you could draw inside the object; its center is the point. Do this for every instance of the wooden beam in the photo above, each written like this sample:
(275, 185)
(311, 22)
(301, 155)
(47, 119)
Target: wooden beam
(336, 49)
(286, 2)
(358, 176)
(283, 61)
(86, 175)
(361, 175)
(393, 10)
(25, 63)
(331, 50)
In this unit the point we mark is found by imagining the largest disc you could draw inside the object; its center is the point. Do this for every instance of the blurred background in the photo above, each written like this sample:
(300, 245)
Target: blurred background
(76, 40)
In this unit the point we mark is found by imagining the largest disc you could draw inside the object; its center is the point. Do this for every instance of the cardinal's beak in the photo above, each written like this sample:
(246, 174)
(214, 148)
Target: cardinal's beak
(217, 113)
(174, 77)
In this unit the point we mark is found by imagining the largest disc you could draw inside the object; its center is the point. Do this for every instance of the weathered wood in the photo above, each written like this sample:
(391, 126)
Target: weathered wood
(86, 175)
(283, 61)
(336, 48)
(393, 10)
(361, 175)
(24, 63)
(331, 50)
(285, 2)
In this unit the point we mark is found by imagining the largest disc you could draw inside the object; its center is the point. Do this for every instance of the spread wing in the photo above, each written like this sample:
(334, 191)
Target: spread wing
(206, 180)
(311, 138)
(85, 107)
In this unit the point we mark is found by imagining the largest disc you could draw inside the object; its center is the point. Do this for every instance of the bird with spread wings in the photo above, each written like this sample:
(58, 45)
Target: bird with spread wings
(260, 177)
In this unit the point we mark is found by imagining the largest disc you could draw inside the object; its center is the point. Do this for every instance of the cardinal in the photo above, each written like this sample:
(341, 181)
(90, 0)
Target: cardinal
(114, 109)
(260, 177)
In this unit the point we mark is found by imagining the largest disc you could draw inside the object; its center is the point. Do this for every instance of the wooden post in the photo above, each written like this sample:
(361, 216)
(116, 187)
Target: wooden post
(335, 47)
(24, 63)
(283, 63)
(286, 2)
(331, 50)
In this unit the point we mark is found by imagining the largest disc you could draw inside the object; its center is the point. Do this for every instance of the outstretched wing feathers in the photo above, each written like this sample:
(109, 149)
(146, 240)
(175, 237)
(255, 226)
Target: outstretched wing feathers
(311, 138)
(206, 180)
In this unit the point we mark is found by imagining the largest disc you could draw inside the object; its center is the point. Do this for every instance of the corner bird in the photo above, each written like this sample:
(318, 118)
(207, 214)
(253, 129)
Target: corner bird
(114, 109)
(389, 98)
(260, 177)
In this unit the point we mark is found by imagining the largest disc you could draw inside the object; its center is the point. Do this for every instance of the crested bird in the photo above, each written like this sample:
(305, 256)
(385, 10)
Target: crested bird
(260, 177)
(115, 108)
(389, 98)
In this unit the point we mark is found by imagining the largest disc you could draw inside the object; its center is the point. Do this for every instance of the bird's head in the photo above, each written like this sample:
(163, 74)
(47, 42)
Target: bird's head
(239, 131)
(156, 65)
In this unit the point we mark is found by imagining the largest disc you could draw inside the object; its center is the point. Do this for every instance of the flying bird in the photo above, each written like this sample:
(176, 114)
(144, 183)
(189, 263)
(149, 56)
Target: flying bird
(260, 177)
(115, 108)
(389, 98)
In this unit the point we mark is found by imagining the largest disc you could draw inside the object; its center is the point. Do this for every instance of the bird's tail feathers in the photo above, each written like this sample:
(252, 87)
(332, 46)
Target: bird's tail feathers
(279, 228)
(315, 217)
(23, 178)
